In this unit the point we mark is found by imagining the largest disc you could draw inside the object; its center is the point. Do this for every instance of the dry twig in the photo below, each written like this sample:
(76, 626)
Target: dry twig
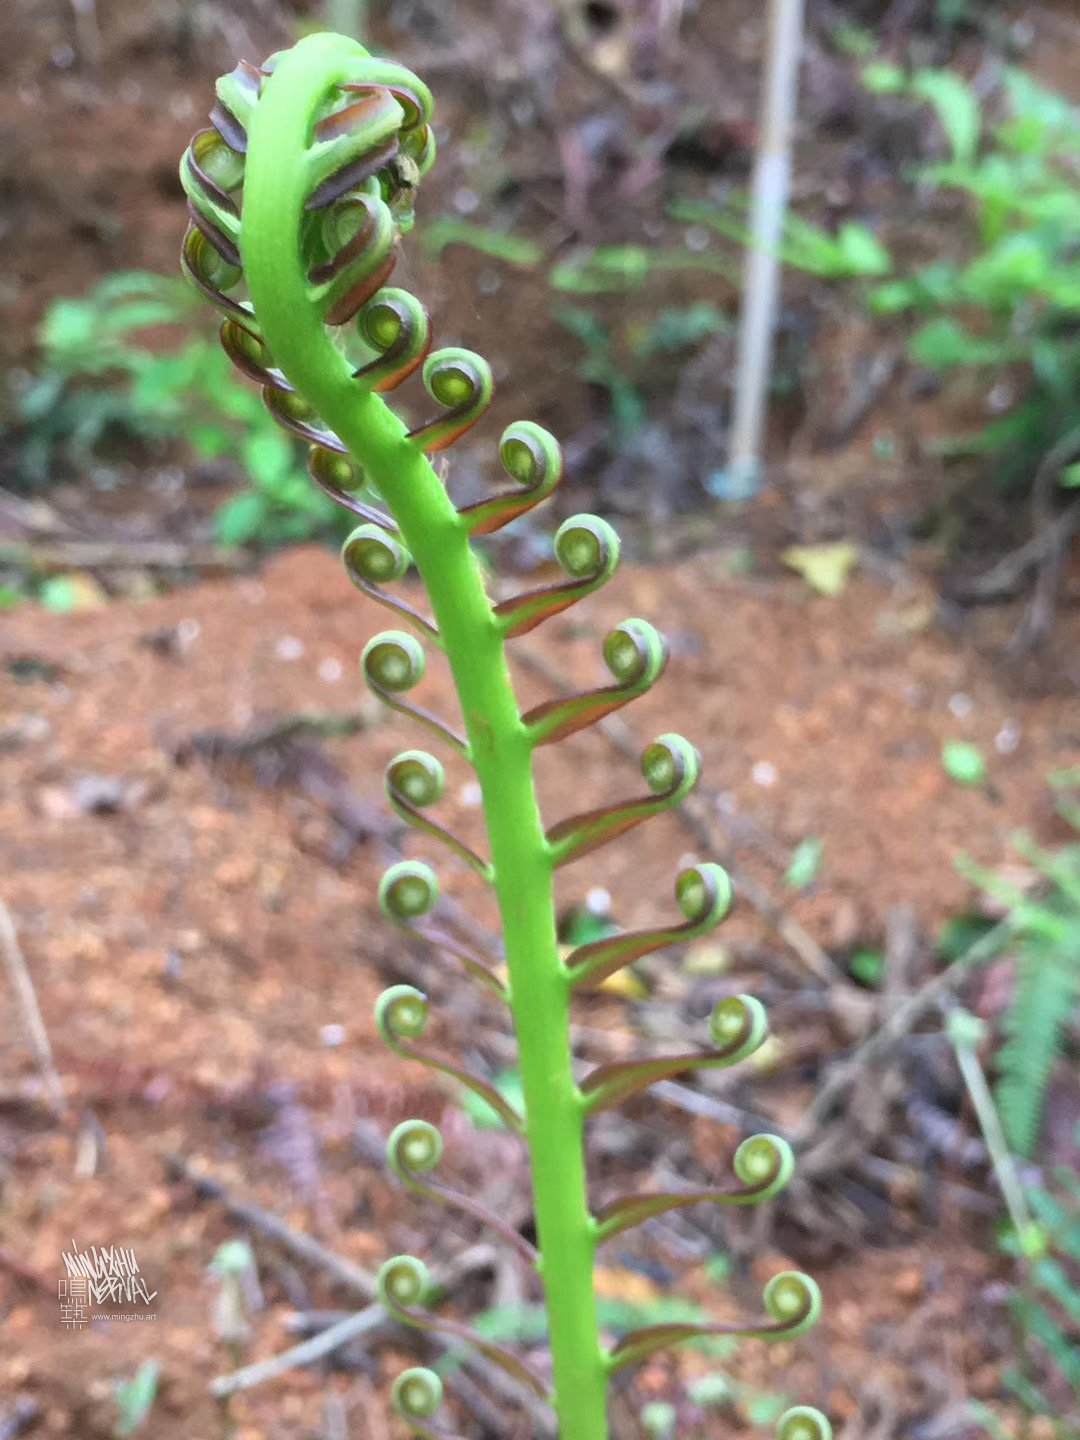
(364, 1322)
(119, 555)
(350, 1327)
(343, 1272)
(26, 1000)
(215, 744)
(1044, 554)
(898, 1022)
(1055, 527)
(91, 46)
(351, 1277)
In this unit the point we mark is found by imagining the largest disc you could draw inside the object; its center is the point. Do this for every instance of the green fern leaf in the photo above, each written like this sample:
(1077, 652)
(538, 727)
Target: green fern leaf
(1042, 1327)
(1052, 1278)
(1061, 1221)
(1047, 984)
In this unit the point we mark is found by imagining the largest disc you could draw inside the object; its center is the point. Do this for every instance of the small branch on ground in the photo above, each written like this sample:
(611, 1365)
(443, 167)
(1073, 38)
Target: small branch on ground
(1053, 525)
(26, 1000)
(341, 1329)
(351, 1277)
(1005, 579)
(89, 43)
(364, 1322)
(901, 950)
(281, 753)
(344, 1328)
(54, 555)
(899, 1021)
(343, 1272)
(216, 745)
(870, 382)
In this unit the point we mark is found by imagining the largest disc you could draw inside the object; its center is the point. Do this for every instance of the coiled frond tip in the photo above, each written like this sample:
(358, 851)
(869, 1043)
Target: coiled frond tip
(738, 1025)
(416, 1394)
(703, 893)
(408, 890)
(417, 776)
(402, 1282)
(414, 1145)
(392, 661)
(803, 1422)
(670, 763)
(401, 1013)
(764, 1164)
(586, 547)
(372, 555)
(793, 1300)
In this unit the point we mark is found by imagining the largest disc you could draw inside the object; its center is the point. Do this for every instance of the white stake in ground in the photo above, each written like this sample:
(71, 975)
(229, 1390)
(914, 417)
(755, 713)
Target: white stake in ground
(761, 276)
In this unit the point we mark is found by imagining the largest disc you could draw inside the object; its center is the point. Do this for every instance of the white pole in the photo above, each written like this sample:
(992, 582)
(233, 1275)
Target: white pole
(761, 274)
(347, 17)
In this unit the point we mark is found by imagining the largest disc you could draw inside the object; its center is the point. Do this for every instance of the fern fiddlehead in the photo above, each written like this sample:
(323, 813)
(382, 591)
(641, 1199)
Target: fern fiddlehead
(300, 191)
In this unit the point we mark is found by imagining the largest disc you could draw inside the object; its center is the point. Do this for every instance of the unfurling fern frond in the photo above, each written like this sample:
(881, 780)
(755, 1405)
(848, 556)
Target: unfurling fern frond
(299, 194)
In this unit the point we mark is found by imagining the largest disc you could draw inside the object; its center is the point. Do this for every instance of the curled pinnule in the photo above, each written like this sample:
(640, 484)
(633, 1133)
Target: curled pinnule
(461, 381)
(738, 1026)
(587, 549)
(374, 556)
(403, 1285)
(413, 1151)
(408, 890)
(763, 1165)
(671, 767)
(532, 458)
(392, 663)
(401, 1014)
(415, 780)
(803, 1422)
(792, 1303)
(703, 893)
(395, 325)
(635, 654)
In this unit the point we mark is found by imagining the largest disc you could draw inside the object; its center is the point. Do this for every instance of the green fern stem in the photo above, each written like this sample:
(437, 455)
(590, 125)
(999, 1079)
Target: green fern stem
(501, 749)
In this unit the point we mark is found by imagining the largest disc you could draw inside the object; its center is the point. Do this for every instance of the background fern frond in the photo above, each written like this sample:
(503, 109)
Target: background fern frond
(1040, 1325)
(1047, 986)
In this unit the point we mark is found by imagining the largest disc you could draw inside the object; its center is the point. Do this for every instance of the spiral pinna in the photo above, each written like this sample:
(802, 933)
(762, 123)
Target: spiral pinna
(299, 192)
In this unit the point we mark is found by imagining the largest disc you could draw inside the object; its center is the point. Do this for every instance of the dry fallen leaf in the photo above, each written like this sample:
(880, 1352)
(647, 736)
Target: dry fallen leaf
(626, 984)
(825, 568)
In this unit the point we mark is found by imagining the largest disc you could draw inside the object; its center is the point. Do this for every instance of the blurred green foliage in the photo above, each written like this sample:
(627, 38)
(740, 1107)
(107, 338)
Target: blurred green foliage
(621, 360)
(482, 1115)
(89, 384)
(1045, 943)
(1009, 311)
(852, 253)
(1045, 1304)
(447, 230)
(135, 1398)
(963, 762)
(1006, 313)
(805, 862)
(133, 359)
(615, 269)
